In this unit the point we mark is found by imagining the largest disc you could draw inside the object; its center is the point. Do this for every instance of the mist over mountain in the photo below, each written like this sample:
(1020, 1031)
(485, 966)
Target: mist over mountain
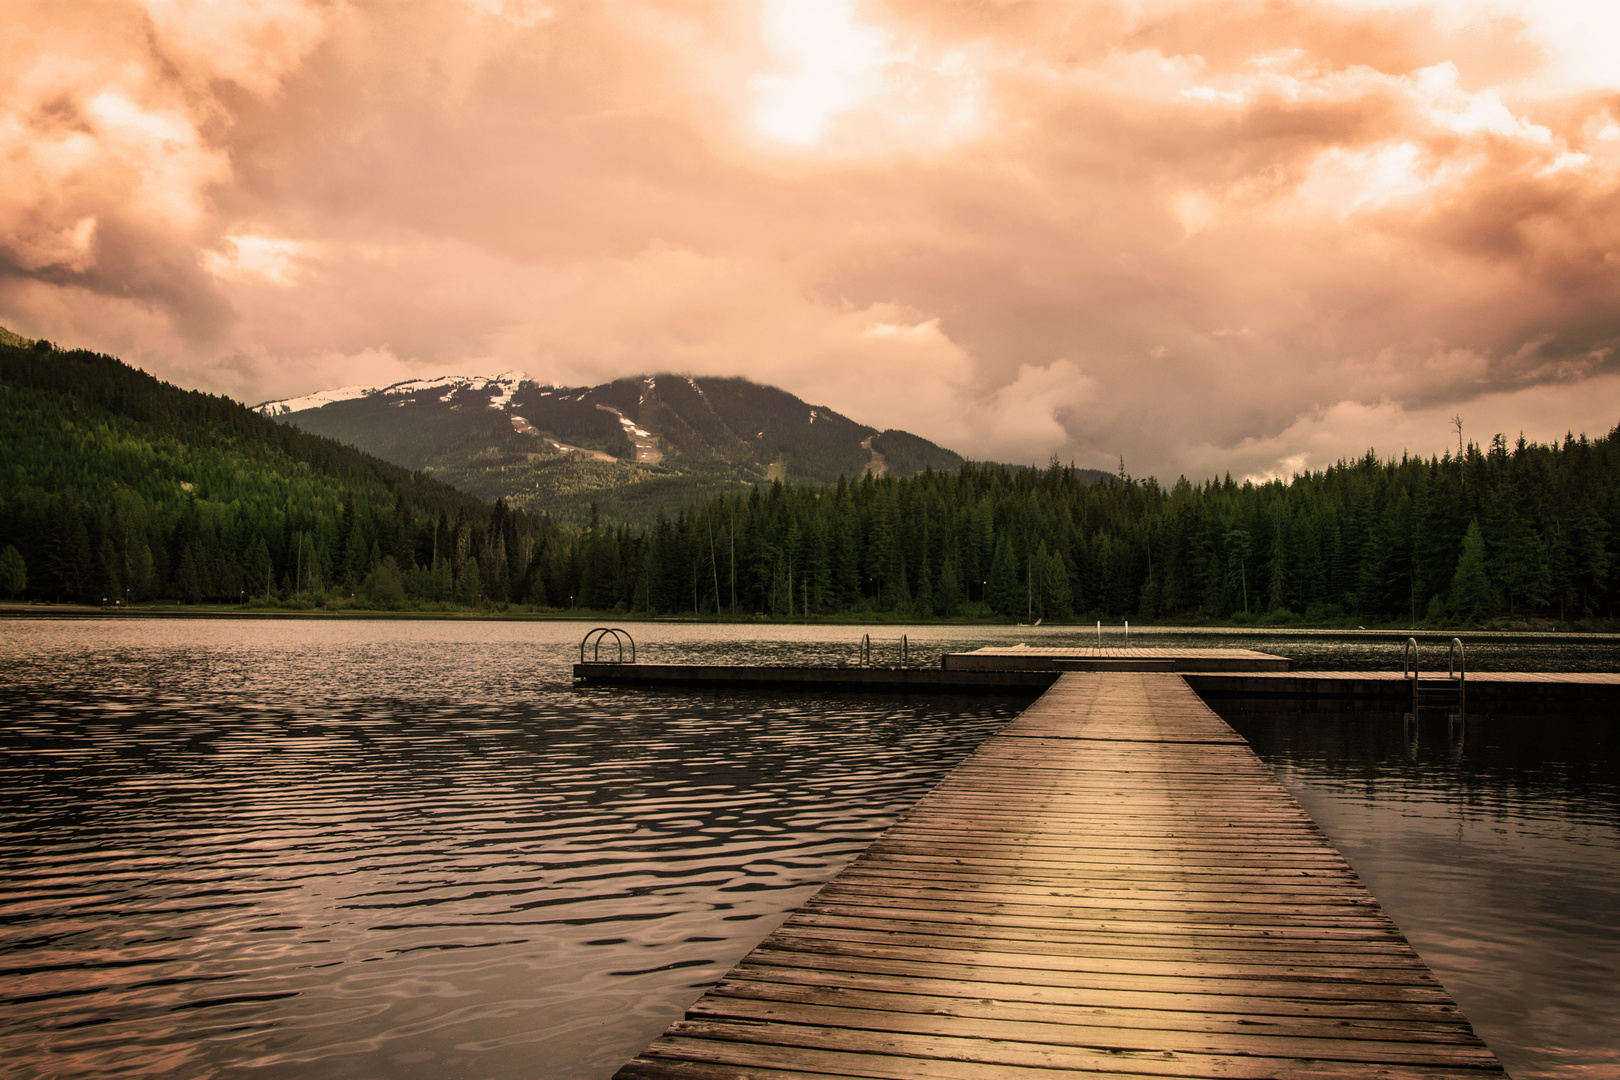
(631, 446)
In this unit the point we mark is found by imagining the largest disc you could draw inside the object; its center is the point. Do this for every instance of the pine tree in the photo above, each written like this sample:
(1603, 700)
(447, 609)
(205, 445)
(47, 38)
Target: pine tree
(1525, 569)
(1471, 598)
(188, 584)
(948, 596)
(1004, 592)
(470, 589)
(143, 573)
(13, 572)
(1057, 596)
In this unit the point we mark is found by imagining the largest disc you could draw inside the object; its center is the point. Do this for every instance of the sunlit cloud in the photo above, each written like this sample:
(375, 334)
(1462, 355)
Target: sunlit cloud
(523, 13)
(830, 67)
(1251, 236)
(1577, 38)
(273, 260)
(253, 43)
(830, 64)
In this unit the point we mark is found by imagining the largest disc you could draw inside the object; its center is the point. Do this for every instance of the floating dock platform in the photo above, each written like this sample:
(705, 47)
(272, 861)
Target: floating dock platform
(1025, 658)
(1213, 673)
(1018, 669)
(1113, 884)
(1506, 690)
(922, 680)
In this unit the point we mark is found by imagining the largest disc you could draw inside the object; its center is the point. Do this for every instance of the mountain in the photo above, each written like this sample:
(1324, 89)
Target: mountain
(115, 485)
(631, 446)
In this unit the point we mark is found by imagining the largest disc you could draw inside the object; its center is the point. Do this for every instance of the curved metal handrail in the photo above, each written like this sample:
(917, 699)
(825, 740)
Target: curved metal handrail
(1461, 676)
(865, 654)
(1409, 659)
(619, 639)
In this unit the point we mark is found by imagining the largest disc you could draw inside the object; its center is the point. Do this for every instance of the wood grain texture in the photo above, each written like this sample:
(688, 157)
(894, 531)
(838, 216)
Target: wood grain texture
(1113, 884)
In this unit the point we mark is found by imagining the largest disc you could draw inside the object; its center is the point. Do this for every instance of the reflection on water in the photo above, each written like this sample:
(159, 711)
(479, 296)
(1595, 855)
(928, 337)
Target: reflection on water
(410, 849)
(1494, 842)
(248, 853)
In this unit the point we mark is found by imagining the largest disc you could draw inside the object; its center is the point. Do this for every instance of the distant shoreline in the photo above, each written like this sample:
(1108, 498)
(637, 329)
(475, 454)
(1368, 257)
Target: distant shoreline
(1113, 630)
(203, 611)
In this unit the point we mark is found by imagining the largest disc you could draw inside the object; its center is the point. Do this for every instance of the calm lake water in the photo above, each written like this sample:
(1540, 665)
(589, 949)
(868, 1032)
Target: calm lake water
(410, 849)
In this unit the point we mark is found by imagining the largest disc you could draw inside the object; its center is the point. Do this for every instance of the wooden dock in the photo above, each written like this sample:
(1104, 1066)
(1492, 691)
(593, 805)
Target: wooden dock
(1113, 884)
(1508, 691)
(1111, 658)
(1213, 673)
(922, 680)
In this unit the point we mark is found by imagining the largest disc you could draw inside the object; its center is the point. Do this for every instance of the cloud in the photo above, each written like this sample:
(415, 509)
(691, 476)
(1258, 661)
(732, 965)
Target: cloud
(1329, 434)
(854, 87)
(248, 256)
(1198, 237)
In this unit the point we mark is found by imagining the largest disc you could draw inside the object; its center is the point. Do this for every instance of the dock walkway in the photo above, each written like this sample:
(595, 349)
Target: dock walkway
(1114, 884)
(1111, 658)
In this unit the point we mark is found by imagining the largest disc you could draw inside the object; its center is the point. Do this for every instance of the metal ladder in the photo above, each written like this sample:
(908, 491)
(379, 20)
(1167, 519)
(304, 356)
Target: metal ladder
(865, 653)
(1449, 693)
(601, 633)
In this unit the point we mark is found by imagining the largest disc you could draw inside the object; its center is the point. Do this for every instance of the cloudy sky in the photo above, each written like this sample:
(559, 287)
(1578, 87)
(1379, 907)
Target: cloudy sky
(1232, 235)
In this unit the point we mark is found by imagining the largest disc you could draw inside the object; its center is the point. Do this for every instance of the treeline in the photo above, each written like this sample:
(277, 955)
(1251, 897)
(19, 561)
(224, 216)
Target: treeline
(1526, 530)
(116, 487)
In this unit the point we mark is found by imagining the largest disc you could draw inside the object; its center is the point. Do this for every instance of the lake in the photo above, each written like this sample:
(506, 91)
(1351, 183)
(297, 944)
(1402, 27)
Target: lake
(258, 847)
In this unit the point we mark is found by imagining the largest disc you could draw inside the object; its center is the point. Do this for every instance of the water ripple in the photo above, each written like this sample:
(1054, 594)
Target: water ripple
(204, 883)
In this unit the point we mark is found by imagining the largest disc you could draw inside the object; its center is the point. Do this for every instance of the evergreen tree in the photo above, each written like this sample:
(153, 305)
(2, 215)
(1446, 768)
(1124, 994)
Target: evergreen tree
(258, 570)
(143, 573)
(1526, 571)
(470, 589)
(384, 586)
(1052, 584)
(1147, 604)
(13, 572)
(948, 596)
(1471, 598)
(188, 583)
(1004, 592)
(1277, 591)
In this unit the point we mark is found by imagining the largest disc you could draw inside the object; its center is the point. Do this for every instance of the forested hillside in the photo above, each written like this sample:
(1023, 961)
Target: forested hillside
(1520, 531)
(115, 487)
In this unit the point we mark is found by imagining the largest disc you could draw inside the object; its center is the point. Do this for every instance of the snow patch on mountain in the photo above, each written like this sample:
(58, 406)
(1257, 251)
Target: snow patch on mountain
(416, 386)
(507, 383)
(313, 401)
(705, 397)
(628, 424)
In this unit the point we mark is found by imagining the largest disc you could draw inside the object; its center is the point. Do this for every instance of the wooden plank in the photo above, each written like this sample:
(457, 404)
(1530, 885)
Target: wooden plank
(985, 988)
(1390, 965)
(1073, 1030)
(996, 863)
(908, 1056)
(1124, 929)
(1201, 1018)
(1051, 932)
(1383, 984)
(1111, 884)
